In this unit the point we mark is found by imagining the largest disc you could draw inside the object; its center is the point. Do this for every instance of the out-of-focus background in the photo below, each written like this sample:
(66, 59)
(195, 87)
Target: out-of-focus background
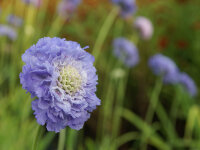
(137, 112)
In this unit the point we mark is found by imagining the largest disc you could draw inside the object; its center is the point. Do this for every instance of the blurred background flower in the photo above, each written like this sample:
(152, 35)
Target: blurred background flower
(8, 32)
(66, 8)
(36, 3)
(164, 67)
(188, 84)
(144, 27)
(126, 51)
(128, 7)
(14, 20)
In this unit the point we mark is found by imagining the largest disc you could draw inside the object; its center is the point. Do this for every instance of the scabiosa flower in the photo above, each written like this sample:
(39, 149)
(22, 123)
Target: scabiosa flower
(165, 67)
(188, 83)
(144, 26)
(67, 7)
(36, 3)
(8, 31)
(128, 7)
(14, 20)
(61, 75)
(126, 51)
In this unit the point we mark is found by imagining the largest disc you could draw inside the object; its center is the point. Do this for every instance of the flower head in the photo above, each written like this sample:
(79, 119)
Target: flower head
(61, 75)
(67, 7)
(188, 83)
(165, 67)
(36, 3)
(8, 31)
(128, 7)
(144, 26)
(14, 20)
(126, 51)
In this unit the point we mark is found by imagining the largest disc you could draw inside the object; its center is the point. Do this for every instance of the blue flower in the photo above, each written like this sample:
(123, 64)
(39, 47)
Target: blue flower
(126, 52)
(14, 20)
(8, 31)
(66, 8)
(61, 75)
(128, 7)
(188, 84)
(36, 3)
(165, 67)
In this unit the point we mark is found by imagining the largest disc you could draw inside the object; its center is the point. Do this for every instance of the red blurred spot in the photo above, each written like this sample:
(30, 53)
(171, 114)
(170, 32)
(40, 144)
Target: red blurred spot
(163, 42)
(181, 44)
(196, 25)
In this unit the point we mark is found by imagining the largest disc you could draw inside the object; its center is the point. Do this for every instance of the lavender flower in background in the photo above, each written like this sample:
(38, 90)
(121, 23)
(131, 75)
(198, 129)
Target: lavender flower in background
(144, 26)
(165, 67)
(8, 31)
(126, 51)
(61, 75)
(188, 84)
(14, 20)
(66, 8)
(36, 3)
(128, 7)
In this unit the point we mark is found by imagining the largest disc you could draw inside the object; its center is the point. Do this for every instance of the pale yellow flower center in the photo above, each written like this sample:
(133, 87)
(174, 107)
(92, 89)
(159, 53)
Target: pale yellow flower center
(70, 79)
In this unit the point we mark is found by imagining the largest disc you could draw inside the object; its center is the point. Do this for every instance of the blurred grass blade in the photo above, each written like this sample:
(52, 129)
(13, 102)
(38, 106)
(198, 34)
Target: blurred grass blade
(191, 120)
(56, 27)
(166, 122)
(37, 137)
(127, 137)
(154, 139)
(104, 32)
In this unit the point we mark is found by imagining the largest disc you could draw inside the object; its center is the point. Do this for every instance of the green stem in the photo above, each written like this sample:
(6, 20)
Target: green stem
(166, 122)
(175, 105)
(119, 103)
(56, 27)
(154, 100)
(104, 32)
(108, 105)
(110, 102)
(61, 142)
(107, 102)
(37, 136)
(71, 139)
(151, 109)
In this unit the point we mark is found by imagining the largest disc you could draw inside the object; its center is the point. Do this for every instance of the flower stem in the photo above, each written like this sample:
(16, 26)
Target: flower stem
(37, 136)
(154, 100)
(122, 84)
(104, 32)
(56, 27)
(61, 142)
(71, 139)
(151, 110)
(175, 104)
